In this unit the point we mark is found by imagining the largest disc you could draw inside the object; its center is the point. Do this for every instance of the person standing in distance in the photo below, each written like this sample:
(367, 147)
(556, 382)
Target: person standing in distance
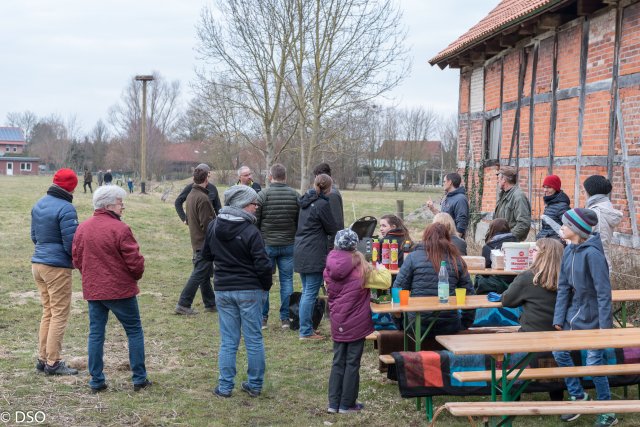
(53, 224)
(182, 197)
(245, 178)
(455, 203)
(277, 219)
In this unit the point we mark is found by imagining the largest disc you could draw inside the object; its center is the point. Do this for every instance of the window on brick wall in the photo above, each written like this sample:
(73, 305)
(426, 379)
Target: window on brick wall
(25, 166)
(476, 102)
(492, 141)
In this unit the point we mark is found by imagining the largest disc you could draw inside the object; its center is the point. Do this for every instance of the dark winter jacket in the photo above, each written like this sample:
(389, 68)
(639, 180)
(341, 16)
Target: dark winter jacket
(315, 225)
(493, 283)
(584, 289)
(257, 188)
(537, 303)
(420, 276)
(514, 206)
(108, 257)
(182, 197)
(236, 248)
(554, 207)
(53, 223)
(456, 204)
(199, 215)
(461, 244)
(495, 243)
(337, 208)
(348, 299)
(277, 216)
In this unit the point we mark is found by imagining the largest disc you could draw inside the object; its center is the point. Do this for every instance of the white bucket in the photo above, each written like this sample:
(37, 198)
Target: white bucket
(516, 256)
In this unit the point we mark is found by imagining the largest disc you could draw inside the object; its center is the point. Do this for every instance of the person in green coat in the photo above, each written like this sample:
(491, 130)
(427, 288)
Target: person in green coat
(512, 204)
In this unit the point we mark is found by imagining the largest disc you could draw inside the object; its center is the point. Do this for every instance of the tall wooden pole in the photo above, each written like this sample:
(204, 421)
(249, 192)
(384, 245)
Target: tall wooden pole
(143, 133)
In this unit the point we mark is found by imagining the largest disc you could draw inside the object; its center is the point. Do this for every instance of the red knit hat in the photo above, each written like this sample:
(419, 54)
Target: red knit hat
(552, 181)
(66, 179)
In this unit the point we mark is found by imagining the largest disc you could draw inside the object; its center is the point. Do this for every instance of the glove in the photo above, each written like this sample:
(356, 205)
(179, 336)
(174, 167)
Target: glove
(494, 297)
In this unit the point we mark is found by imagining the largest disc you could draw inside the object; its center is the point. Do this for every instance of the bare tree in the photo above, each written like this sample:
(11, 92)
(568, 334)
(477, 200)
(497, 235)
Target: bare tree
(25, 121)
(50, 141)
(449, 138)
(418, 126)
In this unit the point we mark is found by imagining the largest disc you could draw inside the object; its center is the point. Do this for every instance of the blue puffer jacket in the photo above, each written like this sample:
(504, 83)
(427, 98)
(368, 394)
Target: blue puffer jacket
(584, 290)
(455, 203)
(554, 207)
(419, 276)
(53, 225)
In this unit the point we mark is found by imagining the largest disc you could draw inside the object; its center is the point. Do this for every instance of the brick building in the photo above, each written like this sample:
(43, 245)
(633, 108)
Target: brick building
(552, 86)
(12, 158)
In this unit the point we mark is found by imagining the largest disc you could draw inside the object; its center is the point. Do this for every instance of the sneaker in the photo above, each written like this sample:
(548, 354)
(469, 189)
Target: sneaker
(59, 368)
(314, 337)
(605, 420)
(187, 311)
(145, 384)
(332, 410)
(96, 390)
(40, 366)
(218, 393)
(264, 323)
(572, 417)
(353, 410)
(285, 324)
(251, 392)
(211, 309)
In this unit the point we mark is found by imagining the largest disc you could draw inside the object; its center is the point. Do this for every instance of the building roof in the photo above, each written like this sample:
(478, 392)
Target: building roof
(12, 134)
(416, 150)
(187, 152)
(504, 15)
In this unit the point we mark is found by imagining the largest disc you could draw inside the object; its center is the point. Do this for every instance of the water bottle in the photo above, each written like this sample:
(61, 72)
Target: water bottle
(443, 284)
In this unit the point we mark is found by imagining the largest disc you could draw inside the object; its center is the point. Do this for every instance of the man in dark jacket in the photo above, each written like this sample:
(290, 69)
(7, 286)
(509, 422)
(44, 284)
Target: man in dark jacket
(455, 203)
(199, 215)
(335, 199)
(513, 204)
(245, 178)
(88, 179)
(242, 275)
(53, 225)
(213, 195)
(109, 259)
(556, 203)
(277, 219)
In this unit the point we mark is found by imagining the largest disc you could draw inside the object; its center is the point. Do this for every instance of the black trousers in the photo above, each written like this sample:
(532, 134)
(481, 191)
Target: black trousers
(85, 187)
(344, 381)
(200, 278)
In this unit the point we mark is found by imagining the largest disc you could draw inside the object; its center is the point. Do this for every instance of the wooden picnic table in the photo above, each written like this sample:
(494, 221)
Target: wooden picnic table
(481, 271)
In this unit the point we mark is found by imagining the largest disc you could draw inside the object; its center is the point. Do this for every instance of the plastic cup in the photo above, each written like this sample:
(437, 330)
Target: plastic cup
(461, 296)
(404, 297)
(395, 295)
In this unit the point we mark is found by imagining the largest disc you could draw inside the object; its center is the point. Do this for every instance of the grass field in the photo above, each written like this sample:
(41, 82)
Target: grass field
(181, 352)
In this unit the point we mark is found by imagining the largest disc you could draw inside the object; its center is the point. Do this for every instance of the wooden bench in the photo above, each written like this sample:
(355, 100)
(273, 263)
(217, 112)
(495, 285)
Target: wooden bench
(373, 336)
(552, 373)
(512, 409)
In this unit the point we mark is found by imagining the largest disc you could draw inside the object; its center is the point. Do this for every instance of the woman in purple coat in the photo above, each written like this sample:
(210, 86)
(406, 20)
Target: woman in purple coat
(344, 276)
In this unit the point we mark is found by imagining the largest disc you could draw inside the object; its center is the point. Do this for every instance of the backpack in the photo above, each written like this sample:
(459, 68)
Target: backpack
(294, 311)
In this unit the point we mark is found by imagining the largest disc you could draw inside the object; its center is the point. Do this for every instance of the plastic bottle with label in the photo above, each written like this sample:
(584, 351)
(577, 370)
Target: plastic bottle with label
(385, 253)
(375, 250)
(443, 284)
(393, 255)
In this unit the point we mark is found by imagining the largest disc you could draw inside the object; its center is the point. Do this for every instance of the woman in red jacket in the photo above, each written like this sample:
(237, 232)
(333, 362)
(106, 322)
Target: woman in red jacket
(108, 257)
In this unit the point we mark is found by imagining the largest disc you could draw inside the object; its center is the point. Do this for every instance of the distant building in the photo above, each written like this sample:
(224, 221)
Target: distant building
(12, 158)
(412, 162)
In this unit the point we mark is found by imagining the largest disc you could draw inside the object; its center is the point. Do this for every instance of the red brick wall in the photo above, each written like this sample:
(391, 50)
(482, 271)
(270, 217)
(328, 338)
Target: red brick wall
(630, 41)
(569, 57)
(492, 86)
(465, 81)
(602, 33)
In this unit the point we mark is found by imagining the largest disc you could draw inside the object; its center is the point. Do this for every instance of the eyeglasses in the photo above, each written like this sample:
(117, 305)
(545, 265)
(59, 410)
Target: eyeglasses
(255, 204)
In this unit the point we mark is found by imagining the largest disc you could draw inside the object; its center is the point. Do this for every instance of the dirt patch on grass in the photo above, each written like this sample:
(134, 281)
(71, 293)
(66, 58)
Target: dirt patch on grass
(22, 298)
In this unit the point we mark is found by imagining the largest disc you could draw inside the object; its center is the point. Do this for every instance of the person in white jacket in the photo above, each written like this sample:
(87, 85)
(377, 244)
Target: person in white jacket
(598, 189)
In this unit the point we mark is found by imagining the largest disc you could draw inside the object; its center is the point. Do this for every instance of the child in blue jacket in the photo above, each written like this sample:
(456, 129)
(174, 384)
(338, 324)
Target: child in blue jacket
(584, 300)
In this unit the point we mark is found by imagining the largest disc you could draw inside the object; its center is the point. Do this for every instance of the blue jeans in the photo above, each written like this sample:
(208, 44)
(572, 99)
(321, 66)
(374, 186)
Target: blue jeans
(200, 278)
(282, 256)
(240, 311)
(574, 387)
(127, 312)
(311, 283)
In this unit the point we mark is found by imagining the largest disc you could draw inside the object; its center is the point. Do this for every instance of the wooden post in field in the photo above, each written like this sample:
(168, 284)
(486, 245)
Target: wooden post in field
(400, 209)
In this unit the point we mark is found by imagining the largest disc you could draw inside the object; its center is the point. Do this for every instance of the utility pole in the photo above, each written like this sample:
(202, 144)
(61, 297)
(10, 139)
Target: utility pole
(143, 133)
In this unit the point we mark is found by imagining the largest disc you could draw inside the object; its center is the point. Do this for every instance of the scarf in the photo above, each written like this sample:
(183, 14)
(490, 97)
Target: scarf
(237, 212)
(60, 193)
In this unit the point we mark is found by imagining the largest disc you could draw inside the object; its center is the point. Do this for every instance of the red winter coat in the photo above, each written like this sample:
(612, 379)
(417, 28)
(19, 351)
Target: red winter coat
(108, 257)
(348, 300)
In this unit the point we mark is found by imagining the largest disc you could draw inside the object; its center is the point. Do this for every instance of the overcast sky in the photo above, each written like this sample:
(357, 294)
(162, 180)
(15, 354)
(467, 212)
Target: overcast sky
(74, 57)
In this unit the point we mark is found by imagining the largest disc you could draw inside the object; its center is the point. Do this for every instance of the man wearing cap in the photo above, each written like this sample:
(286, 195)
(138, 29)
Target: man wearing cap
(213, 195)
(455, 202)
(199, 214)
(598, 189)
(53, 224)
(512, 204)
(242, 272)
(556, 203)
(245, 178)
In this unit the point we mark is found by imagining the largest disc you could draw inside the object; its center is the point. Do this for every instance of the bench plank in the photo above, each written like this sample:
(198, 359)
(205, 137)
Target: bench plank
(387, 359)
(550, 373)
(493, 409)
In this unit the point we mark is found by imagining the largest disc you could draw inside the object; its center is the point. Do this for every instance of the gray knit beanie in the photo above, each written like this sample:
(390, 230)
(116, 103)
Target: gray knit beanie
(239, 196)
(346, 239)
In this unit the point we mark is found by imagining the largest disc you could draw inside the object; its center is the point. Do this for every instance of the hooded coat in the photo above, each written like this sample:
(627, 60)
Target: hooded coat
(348, 298)
(315, 225)
(608, 219)
(554, 207)
(456, 204)
(584, 289)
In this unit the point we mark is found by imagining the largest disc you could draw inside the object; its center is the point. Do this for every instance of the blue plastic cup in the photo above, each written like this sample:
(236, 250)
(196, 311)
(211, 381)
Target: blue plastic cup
(395, 295)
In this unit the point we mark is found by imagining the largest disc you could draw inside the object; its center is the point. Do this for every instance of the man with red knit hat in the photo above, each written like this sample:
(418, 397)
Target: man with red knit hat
(53, 224)
(556, 203)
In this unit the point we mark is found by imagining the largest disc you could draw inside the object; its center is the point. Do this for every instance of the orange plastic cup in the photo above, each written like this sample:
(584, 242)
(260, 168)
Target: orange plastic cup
(404, 297)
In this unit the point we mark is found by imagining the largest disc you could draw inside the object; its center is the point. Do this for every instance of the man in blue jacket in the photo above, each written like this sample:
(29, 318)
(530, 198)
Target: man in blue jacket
(455, 203)
(53, 224)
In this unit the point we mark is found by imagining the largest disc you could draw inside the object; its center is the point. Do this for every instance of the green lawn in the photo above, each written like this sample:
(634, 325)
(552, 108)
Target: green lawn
(181, 351)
